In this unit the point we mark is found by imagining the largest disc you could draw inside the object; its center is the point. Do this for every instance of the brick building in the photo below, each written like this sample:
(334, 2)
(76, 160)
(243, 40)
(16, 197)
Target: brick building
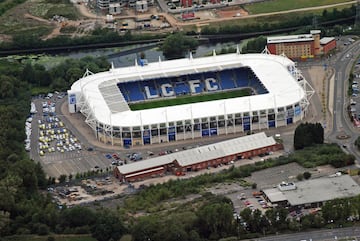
(213, 155)
(301, 46)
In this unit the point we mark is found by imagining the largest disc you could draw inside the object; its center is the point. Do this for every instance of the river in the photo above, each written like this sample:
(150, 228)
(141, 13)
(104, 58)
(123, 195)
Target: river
(121, 57)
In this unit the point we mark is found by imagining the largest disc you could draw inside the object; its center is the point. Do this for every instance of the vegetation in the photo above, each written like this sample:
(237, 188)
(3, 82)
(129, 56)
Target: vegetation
(62, 76)
(308, 134)
(5, 5)
(267, 24)
(318, 155)
(24, 207)
(176, 45)
(283, 5)
(254, 46)
(180, 100)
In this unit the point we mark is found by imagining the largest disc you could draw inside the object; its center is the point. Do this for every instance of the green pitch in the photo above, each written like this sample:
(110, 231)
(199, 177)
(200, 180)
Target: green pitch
(188, 99)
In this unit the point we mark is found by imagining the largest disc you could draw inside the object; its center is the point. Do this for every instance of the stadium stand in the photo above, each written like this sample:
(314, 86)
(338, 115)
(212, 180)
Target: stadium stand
(242, 77)
(133, 91)
(227, 79)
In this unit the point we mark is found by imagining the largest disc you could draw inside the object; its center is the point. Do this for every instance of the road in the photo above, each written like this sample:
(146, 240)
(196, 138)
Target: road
(344, 132)
(323, 235)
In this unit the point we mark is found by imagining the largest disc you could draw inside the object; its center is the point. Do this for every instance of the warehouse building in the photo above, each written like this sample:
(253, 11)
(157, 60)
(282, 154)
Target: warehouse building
(312, 193)
(213, 155)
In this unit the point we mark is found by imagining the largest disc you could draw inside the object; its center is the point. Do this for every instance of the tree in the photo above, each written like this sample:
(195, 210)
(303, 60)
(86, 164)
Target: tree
(107, 227)
(145, 228)
(215, 219)
(62, 178)
(175, 45)
(78, 216)
(307, 175)
(300, 177)
(307, 134)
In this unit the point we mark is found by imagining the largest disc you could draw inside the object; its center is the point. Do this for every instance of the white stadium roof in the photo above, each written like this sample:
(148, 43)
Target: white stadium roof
(203, 153)
(108, 106)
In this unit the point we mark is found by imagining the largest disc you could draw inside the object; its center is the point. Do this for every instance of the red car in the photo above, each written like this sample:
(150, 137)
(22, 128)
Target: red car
(115, 156)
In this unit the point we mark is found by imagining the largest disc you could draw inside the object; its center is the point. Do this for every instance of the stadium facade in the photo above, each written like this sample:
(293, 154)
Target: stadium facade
(279, 96)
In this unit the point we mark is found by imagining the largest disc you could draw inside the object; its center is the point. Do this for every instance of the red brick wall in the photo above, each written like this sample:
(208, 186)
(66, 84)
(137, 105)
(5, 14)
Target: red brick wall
(329, 46)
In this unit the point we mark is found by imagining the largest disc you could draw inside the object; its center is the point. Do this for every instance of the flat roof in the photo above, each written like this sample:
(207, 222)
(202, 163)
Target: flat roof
(202, 153)
(272, 70)
(326, 40)
(275, 195)
(290, 38)
(317, 190)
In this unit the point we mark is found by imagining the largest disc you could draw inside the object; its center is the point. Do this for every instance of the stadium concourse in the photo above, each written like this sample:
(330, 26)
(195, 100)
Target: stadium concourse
(191, 98)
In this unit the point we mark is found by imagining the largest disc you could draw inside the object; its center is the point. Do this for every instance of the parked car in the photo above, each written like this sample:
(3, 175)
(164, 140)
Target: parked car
(115, 156)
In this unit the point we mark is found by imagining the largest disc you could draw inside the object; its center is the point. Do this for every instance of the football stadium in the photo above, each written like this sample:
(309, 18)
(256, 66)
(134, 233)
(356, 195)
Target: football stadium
(190, 98)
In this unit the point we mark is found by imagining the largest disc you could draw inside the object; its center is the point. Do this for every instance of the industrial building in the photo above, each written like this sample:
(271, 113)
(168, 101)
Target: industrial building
(301, 46)
(312, 193)
(213, 155)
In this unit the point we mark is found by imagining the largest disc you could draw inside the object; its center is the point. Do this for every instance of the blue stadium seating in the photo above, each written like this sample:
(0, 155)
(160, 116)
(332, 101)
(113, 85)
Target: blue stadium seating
(242, 77)
(133, 90)
(208, 75)
(200, 77)
(227, 79)
(181, 88)
(152, 86)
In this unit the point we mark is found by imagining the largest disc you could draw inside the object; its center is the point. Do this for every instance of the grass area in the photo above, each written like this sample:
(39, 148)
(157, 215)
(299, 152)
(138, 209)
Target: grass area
(271, 19)
(283, 5)
(47, 10)
(180, 100)
(14, 20)
(8, 4)
(45, 238)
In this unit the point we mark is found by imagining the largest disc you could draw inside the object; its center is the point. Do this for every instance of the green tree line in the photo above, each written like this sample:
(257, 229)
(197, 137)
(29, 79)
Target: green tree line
(25, 206)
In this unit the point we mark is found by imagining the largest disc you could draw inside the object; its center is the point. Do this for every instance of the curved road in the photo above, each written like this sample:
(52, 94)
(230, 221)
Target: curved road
(341, 122)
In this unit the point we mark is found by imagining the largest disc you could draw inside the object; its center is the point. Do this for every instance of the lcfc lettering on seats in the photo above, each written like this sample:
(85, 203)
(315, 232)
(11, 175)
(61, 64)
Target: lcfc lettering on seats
(194, 86)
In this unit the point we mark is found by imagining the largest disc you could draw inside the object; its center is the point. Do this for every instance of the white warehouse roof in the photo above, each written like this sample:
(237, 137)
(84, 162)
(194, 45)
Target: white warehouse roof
(111, 108)
(203, 153)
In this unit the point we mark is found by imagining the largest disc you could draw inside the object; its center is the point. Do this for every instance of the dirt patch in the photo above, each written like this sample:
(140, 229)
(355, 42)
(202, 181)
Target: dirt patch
(231, 12)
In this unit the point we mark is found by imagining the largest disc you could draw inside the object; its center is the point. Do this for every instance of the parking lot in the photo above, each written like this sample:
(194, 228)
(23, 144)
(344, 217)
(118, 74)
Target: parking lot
(354, 103)
(53, 144)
